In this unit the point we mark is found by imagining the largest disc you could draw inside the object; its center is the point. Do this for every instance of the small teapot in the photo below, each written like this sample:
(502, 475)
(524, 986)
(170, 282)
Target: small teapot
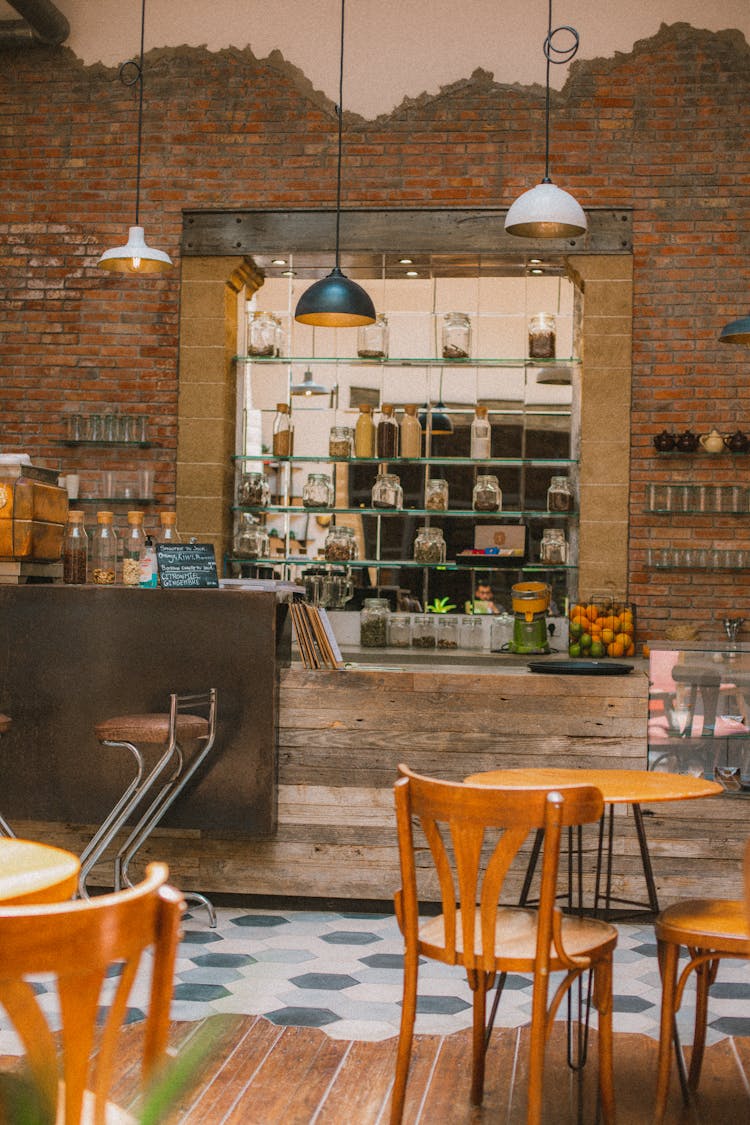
(737, 442)
(664, 442)
(687, 442)
(713, 442)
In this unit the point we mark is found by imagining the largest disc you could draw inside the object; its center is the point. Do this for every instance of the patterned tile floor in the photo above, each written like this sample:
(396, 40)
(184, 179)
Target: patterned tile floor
(341, 972)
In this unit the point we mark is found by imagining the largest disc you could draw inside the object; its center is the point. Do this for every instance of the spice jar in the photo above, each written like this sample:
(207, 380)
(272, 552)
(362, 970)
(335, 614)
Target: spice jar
(75, 550)
(283, 431)
(263, 334)
(474, 631)
(559, 495)
(253, 490)
(436, 495)
(399, 630)
(423, 631)
(251, 540)
(429, 545)
(410, 435)
(131, 549)
(340, 545)
(340, 441)
(386, 440)
(487, 496)
(447, 631)
(542, 336)
(553, 549)
(387, 492)
(364, 433)
(317, 491)
(481, 435)
(104, 550)
(372, 339)
(456, 336)
(373, 623)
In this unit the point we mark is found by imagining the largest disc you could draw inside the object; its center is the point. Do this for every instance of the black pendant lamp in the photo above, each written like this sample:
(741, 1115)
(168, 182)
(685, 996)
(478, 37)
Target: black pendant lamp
(736, 332)
(546, 211)
(336, 301)
(136, 256)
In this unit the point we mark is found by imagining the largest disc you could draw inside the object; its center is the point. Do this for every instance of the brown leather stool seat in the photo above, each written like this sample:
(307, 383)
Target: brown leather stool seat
(152, 730)
(4, 723)
(5, 828)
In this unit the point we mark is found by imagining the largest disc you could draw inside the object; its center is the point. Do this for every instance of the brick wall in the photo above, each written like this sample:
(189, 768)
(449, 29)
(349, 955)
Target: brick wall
(661, 130)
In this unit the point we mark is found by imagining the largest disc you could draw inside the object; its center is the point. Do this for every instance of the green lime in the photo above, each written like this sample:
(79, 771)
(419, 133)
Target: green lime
(574, 650)
(585, 640)
(597, 650)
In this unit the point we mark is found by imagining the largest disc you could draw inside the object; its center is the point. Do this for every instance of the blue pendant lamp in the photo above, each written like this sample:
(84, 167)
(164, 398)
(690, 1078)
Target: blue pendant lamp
(736, 332)
(546, 211)
(336, 301)
(136, 256)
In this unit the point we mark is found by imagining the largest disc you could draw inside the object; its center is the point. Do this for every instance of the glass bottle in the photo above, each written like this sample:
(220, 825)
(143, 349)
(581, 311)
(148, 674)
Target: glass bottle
(340, 545)
(253, 490)
(75, 550)
(387, 492)
(372, 339)
(429, 545)
(487, 496)
(283, 431)
(410, 436)
(542, 336)
(456, 336)
(317, 491)
(104, 550)
(340, 441)
(553, 549)
(387, 435)
(148, 576)
(168, 532)
(132, 546)
(364, 432)
(481, 435)
(559, 495)
(373, 623)
(436, 495)
(263, 334)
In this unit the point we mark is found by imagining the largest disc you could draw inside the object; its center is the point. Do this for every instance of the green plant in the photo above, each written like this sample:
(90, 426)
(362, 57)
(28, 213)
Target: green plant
(440, 605)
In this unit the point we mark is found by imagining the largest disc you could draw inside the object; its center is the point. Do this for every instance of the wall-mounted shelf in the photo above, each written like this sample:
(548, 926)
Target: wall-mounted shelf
(433, 513)
(408, 361)
(395, 564)
(109, 444)
(493, 462)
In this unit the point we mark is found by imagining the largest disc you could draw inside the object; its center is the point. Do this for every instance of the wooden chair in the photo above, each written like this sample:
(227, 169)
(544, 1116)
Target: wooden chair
(459, 823)
(79, 943)
(710, 929)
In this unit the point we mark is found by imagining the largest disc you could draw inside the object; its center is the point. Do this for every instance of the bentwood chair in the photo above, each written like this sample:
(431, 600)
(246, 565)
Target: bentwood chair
(83, 944)
(474, 833)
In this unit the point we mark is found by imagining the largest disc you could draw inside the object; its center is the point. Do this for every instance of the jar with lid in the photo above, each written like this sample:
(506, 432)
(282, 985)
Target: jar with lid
(487, 496)
(317, 491)
(104, 550)
(253, 490)
(373, 623)
(387, 492)
(372, 339)
(263, 334)
(340, 545)
(436, 495)
(386, 440)
(481, 435)
(447, 630)
(75, 550)
(340, 441)
(559, 495)
(410, 435)
(399, 630)
(168, 532)
(456, 336)
(474, 631)
(429, 545)
(251, 539)
(364, 432)
(132, 546)
(283, 431)
(542, 336)
(423, 630)
(553, 549)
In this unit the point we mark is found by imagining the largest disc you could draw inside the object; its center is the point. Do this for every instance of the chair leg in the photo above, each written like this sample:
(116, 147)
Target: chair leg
(705, 974)
(537, 1046)
(405, 1035)
(668, 953)
(603, 1002)
(478, 982)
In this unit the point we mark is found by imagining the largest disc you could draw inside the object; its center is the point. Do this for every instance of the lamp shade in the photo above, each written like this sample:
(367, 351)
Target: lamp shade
(335, 302)
(135, 256)
(736, 332)
(308, 386)
(435, 420)
(546, 211)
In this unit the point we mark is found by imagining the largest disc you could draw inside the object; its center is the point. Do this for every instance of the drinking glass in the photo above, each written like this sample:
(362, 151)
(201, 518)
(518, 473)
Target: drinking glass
(145, 483)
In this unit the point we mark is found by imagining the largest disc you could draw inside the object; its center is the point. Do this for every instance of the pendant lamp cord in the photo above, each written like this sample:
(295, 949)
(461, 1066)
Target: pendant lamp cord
(130, 73)
(554, 56)
(340, 115)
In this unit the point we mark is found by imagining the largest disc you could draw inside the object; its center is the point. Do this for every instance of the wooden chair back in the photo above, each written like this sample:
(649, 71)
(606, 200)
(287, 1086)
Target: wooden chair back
(79, 943)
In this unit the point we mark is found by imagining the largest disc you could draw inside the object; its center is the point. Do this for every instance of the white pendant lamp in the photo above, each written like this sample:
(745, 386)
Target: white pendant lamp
(136, 256)
(308, 386)
(546, 211)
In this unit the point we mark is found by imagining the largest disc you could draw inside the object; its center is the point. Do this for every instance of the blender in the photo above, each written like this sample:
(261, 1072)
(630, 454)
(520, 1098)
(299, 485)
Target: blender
(530, 602)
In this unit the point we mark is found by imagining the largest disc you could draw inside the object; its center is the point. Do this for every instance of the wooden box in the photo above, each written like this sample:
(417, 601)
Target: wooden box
(33, 514)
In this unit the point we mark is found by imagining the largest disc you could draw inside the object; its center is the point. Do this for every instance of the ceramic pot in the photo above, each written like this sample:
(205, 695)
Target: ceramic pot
(687, 442)
(664, 441)
(737, 442)
(713, 442)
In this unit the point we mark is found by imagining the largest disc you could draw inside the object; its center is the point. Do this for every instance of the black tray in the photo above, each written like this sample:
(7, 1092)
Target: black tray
(580, 667)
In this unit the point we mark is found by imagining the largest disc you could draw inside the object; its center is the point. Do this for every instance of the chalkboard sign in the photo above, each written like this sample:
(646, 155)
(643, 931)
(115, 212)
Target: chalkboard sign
(187, 565)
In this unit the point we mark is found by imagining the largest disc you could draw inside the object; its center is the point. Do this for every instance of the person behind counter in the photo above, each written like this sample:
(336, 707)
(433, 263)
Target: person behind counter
(484, 599)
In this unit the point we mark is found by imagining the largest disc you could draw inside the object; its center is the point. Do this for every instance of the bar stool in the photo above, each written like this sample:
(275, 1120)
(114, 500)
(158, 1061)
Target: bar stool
(5, 828)
(151, 793)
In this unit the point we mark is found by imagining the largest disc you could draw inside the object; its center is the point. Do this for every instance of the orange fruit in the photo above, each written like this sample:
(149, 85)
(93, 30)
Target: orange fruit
(627, 627)
(616, 649)
(646, 650)
(630, 650)
(607, 636)
(577, 611)
(622, 639)
(592, 612)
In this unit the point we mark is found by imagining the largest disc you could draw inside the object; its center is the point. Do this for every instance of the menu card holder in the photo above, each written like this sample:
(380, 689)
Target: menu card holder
(317, 644)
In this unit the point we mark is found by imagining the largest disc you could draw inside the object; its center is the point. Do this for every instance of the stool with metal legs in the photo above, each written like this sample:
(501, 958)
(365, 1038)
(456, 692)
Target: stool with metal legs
(5, 828)
(162, 784)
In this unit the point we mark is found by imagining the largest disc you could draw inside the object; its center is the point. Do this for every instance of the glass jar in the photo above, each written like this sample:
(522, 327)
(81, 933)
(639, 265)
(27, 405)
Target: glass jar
(132, 546)
(168, 532)
(386, 439)
(423, 631)
(559, 495)
(447, 631)
(317, 491)
(429, 545)
(340, 441)
(251, 540)
(75, 550)
(263, 334)
(456, 336)
(283, 431)
(364, 433)
(104, 550)
(542, 336)
(501, 631)
(481, 435)
(340, 545)
(387, 492)
(253, 491)
(399, 630)
(373, 623)
(410, 432)
(436, 495)
(487, 496)
(372, 339)
(474, 630)
(553, 549)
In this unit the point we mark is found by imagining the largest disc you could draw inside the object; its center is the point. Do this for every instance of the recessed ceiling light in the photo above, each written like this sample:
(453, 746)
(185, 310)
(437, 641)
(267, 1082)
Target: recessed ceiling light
(536, 271)
(278, 262)
(412, 273)
(535, 261)
(405, 261)
(288, 273)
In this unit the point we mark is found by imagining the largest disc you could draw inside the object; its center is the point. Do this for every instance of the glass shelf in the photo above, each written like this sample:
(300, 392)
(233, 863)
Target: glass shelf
(109, 444)
(396, 564)
(432, 512)
(409, 361)
(113, 500)
(508, 462)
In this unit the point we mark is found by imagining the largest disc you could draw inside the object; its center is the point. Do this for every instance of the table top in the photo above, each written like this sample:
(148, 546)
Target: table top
(626, 786)
(35, 873)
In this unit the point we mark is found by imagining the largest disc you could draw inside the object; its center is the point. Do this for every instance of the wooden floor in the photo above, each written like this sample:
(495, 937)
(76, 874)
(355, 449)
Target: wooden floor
(256, 1073)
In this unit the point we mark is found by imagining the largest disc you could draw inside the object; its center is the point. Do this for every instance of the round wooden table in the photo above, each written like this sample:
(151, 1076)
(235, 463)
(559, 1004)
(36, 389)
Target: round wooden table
(35, 873)
(631, 787)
